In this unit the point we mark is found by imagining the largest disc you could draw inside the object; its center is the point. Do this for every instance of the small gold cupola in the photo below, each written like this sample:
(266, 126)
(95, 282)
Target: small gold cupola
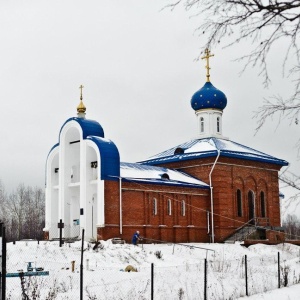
(81, 107)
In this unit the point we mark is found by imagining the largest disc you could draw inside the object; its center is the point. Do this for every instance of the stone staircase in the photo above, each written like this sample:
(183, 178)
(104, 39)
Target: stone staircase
(253, 229)
(241, 234)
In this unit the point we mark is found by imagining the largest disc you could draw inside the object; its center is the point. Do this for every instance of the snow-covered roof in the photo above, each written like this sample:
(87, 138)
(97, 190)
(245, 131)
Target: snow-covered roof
(136, 172)
(209, 147)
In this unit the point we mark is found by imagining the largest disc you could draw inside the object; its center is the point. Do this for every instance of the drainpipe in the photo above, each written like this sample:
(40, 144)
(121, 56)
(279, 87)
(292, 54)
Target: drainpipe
(212, 199)
(254, 207)
(208, 228)
(120, 191)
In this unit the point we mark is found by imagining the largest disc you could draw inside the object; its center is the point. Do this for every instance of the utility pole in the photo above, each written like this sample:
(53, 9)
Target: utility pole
(1, 224)
(2, 261)
(60, 226)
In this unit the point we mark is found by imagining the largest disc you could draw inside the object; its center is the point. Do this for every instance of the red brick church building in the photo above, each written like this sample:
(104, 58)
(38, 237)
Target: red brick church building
(203, 190)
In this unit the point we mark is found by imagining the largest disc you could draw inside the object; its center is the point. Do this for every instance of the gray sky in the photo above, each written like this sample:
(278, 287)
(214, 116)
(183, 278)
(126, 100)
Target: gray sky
(138, 65)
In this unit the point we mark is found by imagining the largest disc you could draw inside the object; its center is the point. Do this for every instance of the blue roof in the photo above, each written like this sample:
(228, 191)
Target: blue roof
(209, 147)
(145, 174)
(110, 158)
(208, 97)
(89, 127)
(53, 147)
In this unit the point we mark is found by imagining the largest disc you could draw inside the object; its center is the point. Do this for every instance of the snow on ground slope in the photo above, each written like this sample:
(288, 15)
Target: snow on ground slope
(287, 293)
(178, 270)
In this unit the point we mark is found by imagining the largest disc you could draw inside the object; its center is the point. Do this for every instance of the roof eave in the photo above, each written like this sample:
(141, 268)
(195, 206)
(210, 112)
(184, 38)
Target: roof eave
(223, 153)
(167, 183)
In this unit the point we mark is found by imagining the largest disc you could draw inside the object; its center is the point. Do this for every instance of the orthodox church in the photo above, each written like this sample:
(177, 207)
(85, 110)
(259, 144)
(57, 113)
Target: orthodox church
(205, 190)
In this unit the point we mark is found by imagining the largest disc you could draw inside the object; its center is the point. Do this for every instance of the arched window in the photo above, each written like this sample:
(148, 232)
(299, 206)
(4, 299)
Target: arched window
(169, 207)
(202, 124)
(165, 176)
(218, 124)
(183, 208)
(262, 204)
(239, 203)
(179, 151)
(154, 207)
(251, 207)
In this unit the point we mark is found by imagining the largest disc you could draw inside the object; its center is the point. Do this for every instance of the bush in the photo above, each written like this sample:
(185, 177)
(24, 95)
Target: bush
(158, 254)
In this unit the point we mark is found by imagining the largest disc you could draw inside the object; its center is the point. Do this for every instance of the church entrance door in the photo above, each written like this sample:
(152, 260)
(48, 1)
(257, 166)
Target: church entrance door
(251, 206)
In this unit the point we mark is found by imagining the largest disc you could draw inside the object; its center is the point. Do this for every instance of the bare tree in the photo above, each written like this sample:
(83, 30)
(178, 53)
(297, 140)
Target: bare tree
(292, 227)
(35, 213)
(289, 179)
(16, 206)
(262, 23)
(2, 203)
(25, 213)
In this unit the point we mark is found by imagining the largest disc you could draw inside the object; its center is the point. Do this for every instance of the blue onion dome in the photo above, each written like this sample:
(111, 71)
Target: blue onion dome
(208, 97)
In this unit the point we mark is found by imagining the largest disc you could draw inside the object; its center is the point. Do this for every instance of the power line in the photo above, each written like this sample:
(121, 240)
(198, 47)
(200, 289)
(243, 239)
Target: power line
(204, 210)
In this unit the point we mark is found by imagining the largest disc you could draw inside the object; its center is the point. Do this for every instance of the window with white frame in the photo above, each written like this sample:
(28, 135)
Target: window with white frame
(202, 124)
(169, 207)
(183, 208)
(154, 207)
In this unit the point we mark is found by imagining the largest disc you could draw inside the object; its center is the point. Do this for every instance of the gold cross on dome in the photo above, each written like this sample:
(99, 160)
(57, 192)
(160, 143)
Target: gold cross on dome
(81, 87)
(207, 56)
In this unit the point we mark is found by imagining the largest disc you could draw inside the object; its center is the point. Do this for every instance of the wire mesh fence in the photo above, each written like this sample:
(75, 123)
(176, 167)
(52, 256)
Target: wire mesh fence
(68, 231)
(44, 270)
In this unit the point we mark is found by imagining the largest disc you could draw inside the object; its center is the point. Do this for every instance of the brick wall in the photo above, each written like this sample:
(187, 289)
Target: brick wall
(169, 222)
(275, 236)
(251, 178)
(229, 175)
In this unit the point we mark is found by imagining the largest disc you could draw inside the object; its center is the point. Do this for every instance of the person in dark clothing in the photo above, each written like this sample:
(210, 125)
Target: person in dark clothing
(135, 238)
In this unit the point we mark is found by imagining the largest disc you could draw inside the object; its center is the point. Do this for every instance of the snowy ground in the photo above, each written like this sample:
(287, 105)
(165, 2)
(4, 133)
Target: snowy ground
(178, 271)
(287, 293)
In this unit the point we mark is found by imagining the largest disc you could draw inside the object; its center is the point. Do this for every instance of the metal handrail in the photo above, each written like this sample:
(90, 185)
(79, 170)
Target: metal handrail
(239, 228)
(253, 224)
(259, 219)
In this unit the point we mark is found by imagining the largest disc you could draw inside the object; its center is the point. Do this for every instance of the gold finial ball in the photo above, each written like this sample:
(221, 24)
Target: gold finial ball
(81, 107)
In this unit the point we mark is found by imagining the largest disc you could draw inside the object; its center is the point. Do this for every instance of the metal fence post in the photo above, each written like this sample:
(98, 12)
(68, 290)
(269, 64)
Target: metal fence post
(278, 270)
(60, 225)
(205, 278)
(152, 281)
(3, 268)
(81, 267)
(246, 275)
(1, 224)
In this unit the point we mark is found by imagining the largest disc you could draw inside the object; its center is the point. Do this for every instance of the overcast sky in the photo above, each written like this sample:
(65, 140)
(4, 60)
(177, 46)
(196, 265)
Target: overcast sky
(139, 66)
